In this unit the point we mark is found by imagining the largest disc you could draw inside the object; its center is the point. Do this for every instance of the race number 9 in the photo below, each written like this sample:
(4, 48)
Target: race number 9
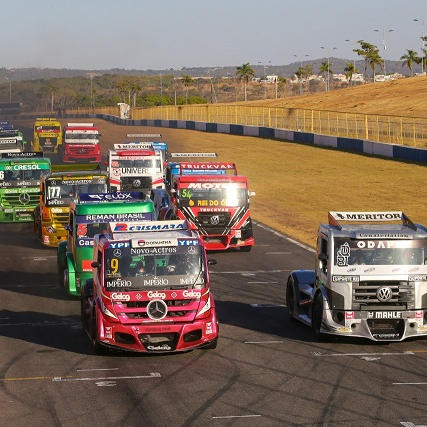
(114, 265)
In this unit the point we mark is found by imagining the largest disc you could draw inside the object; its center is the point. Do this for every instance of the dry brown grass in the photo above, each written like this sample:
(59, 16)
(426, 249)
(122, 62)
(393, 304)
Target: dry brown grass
(404, 97)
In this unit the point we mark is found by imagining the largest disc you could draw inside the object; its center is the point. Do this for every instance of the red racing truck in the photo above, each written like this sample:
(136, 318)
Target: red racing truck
(150, 290)
(81, 143)
(216, 204)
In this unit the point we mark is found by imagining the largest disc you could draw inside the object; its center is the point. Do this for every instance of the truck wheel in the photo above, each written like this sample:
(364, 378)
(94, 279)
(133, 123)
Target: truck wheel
(291, 300)
(60, 275)
(317, 316)
(65, 280)
(98, 348)
(211, 345)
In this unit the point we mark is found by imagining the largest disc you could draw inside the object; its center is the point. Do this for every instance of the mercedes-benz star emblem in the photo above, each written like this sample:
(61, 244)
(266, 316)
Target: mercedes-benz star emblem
(384, 294)
(214, 220)
(24, 198)
(157, 309)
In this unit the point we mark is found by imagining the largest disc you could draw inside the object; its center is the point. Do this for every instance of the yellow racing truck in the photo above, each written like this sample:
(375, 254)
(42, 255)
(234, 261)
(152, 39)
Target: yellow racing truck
(57, 188)
(47, 135)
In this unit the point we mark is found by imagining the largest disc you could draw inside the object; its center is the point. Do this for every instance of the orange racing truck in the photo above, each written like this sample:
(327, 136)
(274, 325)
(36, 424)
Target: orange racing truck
(150, 290)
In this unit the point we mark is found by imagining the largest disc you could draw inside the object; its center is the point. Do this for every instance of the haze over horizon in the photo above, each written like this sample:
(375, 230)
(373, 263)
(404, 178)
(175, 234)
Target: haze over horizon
(168, 34)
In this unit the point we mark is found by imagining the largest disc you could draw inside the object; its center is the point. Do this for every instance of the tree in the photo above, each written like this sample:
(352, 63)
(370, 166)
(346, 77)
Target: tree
(409, 58)
(375, 59)
(245, 73)
(187, 81)
(367, 51)
(325, 67)
(349, 70)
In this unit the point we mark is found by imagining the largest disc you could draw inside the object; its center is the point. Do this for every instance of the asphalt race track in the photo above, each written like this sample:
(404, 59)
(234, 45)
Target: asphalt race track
(266, 371)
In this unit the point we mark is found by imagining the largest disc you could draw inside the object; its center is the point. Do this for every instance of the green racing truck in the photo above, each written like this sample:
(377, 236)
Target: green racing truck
(20, 184)
(90, 215)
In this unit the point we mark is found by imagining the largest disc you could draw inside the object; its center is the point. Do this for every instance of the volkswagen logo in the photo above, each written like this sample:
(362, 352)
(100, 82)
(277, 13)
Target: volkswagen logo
(24, 198)
(157, 309)
(384, 294)
(136, 183)
(214, 220)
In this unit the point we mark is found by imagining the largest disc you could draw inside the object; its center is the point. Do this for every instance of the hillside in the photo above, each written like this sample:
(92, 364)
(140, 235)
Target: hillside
(403, 97)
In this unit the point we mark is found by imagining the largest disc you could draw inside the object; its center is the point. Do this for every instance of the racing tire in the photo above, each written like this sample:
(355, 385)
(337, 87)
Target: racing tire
(211, 345)
(65, 280)
(98, 348)
(245, 248)
(60, 275)
(317, 316)
(291, 300)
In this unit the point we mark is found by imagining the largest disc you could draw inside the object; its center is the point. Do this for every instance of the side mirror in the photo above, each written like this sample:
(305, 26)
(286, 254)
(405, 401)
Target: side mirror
(95, 264)
(68, 227)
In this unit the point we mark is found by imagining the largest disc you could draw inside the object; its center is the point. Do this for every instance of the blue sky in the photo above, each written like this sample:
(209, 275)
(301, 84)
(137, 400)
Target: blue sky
(165, 34)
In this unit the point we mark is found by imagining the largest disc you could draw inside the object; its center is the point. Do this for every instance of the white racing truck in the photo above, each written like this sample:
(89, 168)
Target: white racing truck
(137, 166)
(370, 278)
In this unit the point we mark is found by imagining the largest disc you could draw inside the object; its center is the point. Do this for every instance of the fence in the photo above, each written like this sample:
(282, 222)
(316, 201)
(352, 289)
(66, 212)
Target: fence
(409, 131)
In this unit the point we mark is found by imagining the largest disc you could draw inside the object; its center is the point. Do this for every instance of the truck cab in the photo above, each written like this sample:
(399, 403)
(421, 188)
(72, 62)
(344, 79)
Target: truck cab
(81, 143)
(20, 176)
(136, 166)
(47, 135)
(150, 290)
(11, 139)
(369, 280)
(90, 214)
(57, 189)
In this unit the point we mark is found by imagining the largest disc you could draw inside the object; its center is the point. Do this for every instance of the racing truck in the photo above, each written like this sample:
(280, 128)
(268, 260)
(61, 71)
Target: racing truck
(11, 139)
(81, 143)
(150, 290)
(56, 191)
(47, 135)
(157, 145)
(90, 215)
(20, 184)
(135, 166)
(369, 281)
(215, 204)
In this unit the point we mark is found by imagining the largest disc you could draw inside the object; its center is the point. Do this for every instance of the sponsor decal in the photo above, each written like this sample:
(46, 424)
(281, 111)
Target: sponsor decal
(26, 167)
(120, 296)
(157, 329)
(343, 254)
(163, 347)
(87, 265)
(188, 242)
(119, 283)
(209, 185)
(56, 210)
(345, 279)
(418, 278)
(156, 282)
(108, 332)
(147, 251)
(349, 315)
(385, 315)
(191, 294)
(367, 216)
(118, 245)
(115, 217)
(84, 242)
(208, 328)
(156, 294)
(419, 314)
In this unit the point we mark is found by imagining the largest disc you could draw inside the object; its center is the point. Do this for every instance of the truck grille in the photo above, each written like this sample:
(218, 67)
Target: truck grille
(210, 220)
(19, 200)
(365, 295)
(61, 217)
(132, 183)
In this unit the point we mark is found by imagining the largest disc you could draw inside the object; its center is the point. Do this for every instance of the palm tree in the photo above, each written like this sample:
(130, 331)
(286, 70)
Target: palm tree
(409, 58)
(245, 73)
(349, 70)
(188, 81)
(325, 67)
(375, 59)
(366, 51)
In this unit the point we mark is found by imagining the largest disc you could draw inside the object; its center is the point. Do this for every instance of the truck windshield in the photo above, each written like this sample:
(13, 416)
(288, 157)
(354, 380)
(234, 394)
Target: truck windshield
(78, 137)
(149, 163)
(350, 252)
(148, 268)
(213, 197)
(47, 128)
(13, 178)
(60, 191)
